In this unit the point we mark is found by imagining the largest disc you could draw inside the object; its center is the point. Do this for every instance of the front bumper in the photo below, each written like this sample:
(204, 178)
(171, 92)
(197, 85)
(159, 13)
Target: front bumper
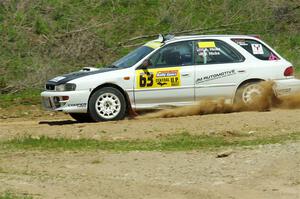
(69, 102)
(287, 86)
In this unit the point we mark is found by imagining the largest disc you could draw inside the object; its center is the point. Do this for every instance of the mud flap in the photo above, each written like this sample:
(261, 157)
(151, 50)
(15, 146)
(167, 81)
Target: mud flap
(131, 112)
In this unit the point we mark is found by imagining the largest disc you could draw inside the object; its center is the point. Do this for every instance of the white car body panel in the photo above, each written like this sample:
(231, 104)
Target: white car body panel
(189, 91)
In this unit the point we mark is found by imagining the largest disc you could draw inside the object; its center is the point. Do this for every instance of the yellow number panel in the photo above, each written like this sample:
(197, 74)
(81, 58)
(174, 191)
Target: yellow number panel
(158, 78)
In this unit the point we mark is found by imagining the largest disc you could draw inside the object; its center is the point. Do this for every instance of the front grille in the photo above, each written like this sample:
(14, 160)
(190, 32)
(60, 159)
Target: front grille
(50, 87)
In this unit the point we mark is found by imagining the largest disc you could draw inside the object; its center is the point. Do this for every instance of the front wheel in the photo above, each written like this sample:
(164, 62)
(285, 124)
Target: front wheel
(107, 104)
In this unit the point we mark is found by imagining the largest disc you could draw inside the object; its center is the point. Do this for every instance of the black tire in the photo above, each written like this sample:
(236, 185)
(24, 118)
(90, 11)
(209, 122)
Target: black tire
(240, 94)
(116, 100)
(81, 117)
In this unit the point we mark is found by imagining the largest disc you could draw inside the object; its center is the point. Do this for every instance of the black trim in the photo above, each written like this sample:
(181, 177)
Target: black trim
(76, 75)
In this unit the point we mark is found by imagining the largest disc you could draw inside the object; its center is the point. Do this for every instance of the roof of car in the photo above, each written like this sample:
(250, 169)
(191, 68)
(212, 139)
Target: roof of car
(208, 36)
(170, 39)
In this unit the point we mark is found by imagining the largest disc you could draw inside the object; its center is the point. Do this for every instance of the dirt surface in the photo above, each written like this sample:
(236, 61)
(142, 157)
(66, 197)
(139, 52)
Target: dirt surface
(270, 171)
(60, 125)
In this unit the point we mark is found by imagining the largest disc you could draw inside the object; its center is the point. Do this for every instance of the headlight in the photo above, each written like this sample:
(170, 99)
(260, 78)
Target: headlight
(65, 87)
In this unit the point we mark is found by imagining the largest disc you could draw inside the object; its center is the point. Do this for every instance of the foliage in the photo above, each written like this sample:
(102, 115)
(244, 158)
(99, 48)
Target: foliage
(40, 39)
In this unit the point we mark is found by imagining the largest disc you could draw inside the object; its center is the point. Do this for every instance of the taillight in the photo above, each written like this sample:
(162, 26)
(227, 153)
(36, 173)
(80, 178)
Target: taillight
(289, 71)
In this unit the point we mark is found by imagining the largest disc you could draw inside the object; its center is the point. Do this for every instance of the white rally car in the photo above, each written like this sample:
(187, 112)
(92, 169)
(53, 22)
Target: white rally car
(171, 71)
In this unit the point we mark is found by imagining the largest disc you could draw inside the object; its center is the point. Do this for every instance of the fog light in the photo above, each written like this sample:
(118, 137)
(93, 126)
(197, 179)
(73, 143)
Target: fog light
(65, 98)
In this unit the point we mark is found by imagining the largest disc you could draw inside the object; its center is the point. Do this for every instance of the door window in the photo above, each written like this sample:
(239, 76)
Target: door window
(215, 52)
(175, 54)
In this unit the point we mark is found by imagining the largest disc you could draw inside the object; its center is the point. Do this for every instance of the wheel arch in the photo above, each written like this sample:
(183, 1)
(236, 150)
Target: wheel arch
(250, 81)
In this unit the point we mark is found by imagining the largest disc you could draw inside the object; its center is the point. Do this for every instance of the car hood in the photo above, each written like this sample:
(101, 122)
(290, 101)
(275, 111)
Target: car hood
(75, 75)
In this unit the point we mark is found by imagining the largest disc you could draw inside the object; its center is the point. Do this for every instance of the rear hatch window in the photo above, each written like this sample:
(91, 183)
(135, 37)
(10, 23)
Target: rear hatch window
(257, 49)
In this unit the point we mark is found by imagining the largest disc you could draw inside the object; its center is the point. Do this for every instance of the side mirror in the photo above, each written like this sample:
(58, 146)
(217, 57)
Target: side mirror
(146, 63)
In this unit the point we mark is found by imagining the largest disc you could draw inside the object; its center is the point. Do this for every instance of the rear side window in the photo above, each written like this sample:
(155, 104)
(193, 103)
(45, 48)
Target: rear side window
(257, 49)
(215, 52)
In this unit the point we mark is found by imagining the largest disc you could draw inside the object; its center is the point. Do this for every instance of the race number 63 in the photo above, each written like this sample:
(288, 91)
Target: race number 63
(146, 79)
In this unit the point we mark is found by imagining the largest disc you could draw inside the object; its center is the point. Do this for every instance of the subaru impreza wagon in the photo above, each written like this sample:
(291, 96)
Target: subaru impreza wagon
(171, 71)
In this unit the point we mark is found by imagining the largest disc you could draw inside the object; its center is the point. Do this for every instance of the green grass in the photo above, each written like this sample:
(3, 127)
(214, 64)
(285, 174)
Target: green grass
(179, 142)
(37, 42)
(25, 97)
(9, 195)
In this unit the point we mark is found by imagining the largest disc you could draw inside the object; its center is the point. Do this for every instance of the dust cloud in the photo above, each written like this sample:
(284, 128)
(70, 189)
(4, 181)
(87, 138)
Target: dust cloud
(263, 102)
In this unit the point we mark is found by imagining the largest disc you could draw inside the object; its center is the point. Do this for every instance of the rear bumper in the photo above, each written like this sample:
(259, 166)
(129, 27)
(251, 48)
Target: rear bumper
(57, 101)
(287, 86)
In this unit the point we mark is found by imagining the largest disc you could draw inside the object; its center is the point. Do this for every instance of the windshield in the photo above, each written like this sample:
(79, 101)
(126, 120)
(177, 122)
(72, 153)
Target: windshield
(133, 57)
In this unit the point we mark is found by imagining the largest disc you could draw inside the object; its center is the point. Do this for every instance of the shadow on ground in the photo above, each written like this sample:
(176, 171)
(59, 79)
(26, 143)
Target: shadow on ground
(59, 123)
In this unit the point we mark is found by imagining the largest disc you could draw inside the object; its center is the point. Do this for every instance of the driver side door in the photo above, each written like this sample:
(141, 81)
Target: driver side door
(169, 80)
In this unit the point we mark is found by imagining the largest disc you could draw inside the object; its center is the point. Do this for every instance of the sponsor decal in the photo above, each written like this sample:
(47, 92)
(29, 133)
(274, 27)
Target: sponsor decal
(57, 79)
(273, 57)
(206, 48)
(215, 76)
(257, 49)
(241, 42)
(158, 78)
(283, 91)
(206, 44)
(170, 73)
(208, 51)
(79, 105)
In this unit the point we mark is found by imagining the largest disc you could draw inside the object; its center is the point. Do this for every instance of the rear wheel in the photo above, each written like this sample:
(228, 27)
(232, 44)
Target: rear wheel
(81, 117)
(107, 104)
(248, 92)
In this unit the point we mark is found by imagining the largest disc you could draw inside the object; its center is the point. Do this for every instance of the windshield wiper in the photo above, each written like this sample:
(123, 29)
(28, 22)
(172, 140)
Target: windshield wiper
(111, 66)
